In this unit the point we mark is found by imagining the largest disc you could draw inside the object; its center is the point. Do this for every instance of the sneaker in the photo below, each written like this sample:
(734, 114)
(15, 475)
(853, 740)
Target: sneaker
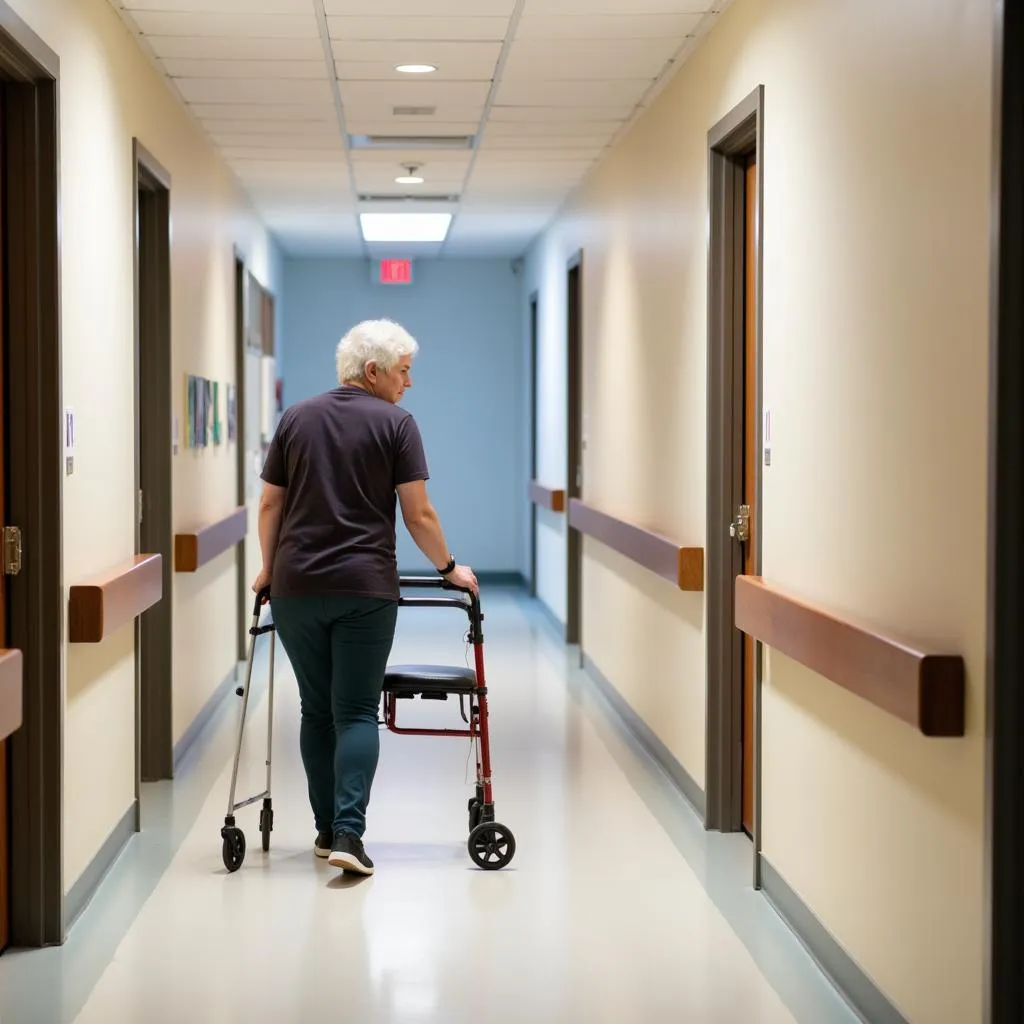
(322, 844)
(348, 854)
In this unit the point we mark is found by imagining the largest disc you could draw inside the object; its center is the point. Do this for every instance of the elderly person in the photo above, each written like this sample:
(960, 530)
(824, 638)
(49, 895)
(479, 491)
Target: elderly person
(327, 533)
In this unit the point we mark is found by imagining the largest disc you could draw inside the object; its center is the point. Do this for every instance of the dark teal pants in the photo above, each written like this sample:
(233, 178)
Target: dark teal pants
(339, 649)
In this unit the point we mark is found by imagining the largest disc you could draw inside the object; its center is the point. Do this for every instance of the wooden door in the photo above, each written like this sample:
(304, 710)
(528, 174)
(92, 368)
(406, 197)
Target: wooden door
(5, 847)
(574, 469)
(750, 456)
(533, 442)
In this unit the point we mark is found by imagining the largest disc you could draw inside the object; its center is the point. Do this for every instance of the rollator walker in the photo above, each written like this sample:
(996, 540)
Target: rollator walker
(491, 845)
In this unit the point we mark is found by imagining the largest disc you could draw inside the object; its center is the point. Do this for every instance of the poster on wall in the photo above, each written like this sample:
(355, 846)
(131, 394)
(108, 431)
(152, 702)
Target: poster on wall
(207, 421)
(207, 412)
(190, 411)
(232, 412)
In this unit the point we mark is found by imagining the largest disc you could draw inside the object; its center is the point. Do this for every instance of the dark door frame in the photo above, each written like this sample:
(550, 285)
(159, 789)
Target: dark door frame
(36, 464)
(730, 143)
(1004, 770)
(241, 337)
(574, 445)
(153, 438)
(533, 305)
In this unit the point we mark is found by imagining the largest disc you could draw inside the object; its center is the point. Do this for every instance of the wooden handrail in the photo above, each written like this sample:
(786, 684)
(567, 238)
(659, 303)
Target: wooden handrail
(682, 566)
(11, 689)
(98, 607)
(545, 497)
(924, 689)
(194, 550)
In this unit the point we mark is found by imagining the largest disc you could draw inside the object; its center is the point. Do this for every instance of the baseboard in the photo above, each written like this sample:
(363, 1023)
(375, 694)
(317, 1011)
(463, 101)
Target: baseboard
(842, 970)
(551, 619)
(77, 898)
(647, 738)
(199, 723)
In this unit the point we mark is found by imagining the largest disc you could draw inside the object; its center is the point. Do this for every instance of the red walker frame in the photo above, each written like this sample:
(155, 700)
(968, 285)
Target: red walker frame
(491, 845)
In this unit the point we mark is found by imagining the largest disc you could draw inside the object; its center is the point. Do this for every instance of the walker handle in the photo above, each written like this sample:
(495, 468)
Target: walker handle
(261, 599)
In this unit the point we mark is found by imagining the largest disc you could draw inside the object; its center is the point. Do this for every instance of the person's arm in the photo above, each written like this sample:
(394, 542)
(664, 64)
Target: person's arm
(271, 512)
(424, 526)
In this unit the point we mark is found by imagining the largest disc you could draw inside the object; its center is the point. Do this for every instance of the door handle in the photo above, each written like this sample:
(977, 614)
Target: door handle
(739, 528)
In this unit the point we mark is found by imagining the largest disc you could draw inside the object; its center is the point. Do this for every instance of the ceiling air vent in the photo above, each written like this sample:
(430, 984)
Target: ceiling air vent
(411, 141)
(370, 197)
(414, 111)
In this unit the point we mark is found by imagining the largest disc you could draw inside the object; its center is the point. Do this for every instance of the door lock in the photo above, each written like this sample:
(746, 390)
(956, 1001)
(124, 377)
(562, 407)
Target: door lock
(739, 528)
(12, 550)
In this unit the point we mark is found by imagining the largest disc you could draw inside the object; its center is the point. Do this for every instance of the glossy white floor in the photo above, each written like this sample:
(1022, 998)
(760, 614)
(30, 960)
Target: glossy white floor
(617, 907)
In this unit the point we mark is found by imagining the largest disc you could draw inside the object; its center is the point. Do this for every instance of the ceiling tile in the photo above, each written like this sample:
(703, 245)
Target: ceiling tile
(252, 90)
(554, 128)
(541, 93)
(443, 29)
(358, 125)
(380, 71)
(561, 114)
(467, 94)
(290, 154)
(259, 26)
(378, 185)
(382, 113)
(621, 26)
(588, 58)
(488, 157)
(406, 9)
(266, 113)
(433, 159)
(631, 8)
(236, 48)
(314, 70)
(239, 7)
(291, 143)
(515, 143)
(326, 130)
(486, 168)
(429, 51)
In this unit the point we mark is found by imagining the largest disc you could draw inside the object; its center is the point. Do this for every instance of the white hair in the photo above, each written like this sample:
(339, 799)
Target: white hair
(373, 341)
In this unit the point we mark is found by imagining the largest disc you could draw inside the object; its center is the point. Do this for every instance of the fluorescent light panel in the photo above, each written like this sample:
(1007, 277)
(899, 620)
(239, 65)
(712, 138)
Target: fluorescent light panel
(405, 227)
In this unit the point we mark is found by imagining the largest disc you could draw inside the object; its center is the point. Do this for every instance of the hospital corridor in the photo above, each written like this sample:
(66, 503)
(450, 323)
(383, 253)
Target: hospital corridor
(510, 511)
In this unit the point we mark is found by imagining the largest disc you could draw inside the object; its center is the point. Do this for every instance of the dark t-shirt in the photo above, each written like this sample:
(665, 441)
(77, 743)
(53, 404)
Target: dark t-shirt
(341, 455)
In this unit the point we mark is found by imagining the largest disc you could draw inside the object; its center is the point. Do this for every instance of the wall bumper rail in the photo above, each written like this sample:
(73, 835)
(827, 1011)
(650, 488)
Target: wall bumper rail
(11, 692)
(546, 497)
(194, 550)
(923, 688)
(681, 566)
(99, 607)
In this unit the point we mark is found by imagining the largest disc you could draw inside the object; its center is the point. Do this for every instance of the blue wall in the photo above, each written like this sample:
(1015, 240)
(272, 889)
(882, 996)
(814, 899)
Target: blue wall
(468, 385)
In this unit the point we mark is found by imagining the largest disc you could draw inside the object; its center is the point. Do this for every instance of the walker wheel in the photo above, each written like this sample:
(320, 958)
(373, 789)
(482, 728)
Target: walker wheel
(266, 824)
(233, 849)
(491, 846)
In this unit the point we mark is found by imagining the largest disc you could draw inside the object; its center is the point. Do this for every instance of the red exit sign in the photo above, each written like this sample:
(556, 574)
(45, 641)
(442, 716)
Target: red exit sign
(395, 272)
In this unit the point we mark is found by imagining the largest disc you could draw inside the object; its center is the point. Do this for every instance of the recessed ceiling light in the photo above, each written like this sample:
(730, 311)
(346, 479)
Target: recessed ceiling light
(411, 176)
(415, 69)
(405, 227)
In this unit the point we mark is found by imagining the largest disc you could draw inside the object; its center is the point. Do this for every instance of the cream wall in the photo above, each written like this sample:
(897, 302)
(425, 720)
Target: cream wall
(108, 94)
(876, 169)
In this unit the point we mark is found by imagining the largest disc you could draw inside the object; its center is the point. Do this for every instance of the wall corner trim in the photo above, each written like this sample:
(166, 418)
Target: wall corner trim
(209, 709)
(92, 877)
(863, 995)
(646, 738)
